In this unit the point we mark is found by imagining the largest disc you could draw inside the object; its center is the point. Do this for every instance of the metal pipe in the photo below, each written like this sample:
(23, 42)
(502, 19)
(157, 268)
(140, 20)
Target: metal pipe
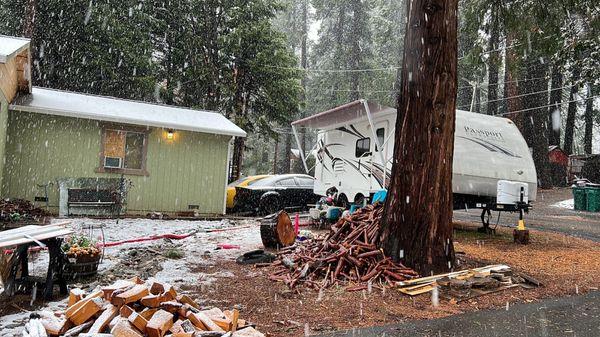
(373, 132)
(300, 148)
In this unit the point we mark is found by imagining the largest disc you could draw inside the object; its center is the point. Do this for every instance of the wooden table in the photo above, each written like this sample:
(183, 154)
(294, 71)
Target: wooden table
(25, 237)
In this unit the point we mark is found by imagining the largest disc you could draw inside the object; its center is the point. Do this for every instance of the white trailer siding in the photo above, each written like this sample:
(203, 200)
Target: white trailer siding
(487, 149)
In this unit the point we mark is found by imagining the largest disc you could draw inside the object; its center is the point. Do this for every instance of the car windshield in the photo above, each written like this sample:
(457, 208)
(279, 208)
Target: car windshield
(250, 183)
(237, 182)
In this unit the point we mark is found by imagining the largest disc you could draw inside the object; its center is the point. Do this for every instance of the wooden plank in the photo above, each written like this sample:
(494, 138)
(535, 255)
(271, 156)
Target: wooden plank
(428, 279)
(101, 323)
(132, 295)
(159, 324)
(36, 232)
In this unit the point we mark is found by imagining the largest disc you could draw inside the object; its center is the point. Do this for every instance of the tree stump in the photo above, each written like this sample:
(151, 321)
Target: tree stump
(277, 231)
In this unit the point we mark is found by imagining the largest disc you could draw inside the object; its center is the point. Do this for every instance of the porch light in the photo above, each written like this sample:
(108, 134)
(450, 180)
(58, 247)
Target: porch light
(170, 134)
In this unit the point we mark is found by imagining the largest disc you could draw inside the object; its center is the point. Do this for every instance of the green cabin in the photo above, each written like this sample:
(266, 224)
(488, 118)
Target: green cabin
(80, 154)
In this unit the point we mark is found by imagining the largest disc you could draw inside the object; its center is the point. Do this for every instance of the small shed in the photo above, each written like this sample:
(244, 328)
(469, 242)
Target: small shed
(83, 154)
(558, 156)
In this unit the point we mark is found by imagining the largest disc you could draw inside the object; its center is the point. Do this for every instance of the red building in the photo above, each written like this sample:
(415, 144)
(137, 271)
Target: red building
(558, 156)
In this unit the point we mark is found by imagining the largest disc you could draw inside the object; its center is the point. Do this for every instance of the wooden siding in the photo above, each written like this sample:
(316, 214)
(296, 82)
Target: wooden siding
(189, 170)
(3, 128)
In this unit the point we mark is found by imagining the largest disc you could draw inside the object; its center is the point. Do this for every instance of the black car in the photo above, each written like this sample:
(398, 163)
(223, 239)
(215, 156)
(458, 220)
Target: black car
(271, 194)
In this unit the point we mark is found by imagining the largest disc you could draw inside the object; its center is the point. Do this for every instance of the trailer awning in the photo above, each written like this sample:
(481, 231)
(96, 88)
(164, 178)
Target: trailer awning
(341, 115)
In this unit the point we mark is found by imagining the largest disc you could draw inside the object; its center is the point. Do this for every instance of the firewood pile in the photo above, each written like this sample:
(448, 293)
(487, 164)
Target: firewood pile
(134, 308)
(14, 210)
(348, 256)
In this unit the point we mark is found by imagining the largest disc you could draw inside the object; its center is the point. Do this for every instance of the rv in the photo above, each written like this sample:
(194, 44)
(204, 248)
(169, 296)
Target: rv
(492, 169)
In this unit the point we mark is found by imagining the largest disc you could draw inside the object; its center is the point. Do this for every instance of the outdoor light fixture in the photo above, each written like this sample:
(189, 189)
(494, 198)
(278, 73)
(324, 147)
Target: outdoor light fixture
(170, 134)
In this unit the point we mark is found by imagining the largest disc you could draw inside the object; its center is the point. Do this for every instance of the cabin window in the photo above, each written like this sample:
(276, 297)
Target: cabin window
(380, 137)
(363, 146)
(123, 151)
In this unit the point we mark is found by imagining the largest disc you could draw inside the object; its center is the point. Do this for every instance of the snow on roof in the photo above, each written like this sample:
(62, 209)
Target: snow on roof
(70, 104)
(10, 46)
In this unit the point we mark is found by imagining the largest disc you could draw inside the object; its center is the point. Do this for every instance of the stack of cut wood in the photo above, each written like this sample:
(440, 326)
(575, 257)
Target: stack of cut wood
(134, 308)
(347, 256)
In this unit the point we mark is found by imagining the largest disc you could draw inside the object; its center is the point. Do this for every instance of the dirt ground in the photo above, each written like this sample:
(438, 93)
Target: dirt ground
(565, 265)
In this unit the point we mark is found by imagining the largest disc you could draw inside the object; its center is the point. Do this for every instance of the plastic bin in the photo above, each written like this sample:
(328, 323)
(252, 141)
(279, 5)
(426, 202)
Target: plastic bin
(593, 199)
(580, 198)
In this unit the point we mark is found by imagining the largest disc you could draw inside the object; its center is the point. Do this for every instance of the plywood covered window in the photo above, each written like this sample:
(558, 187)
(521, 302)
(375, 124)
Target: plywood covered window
(123, 151)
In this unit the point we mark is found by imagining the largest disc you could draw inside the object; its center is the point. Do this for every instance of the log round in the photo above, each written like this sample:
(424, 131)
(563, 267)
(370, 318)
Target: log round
(277, 231)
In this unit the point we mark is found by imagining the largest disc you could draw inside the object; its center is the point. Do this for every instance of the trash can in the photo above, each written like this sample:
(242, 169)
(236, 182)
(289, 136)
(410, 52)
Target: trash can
(593, 199)
(580, 198)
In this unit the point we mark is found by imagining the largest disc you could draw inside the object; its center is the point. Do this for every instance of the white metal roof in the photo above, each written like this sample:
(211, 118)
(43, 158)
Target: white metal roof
(70, 104)
(341, 114)
(10, 46)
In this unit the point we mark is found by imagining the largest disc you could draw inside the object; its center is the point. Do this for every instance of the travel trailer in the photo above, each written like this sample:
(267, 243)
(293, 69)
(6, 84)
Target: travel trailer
(492, 169)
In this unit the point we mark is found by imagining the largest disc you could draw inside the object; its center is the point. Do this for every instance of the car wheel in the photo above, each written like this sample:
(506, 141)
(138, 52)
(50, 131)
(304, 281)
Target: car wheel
(270, 205)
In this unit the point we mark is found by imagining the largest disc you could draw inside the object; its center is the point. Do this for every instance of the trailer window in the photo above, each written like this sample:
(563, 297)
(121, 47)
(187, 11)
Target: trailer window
(363, 146)
(380, 137)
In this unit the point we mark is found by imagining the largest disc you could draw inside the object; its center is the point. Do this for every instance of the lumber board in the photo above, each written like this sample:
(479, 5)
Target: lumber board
(208, 323)
(44, 235)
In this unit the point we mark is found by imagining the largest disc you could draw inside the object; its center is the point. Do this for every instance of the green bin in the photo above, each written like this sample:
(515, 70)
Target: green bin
(593, 199)
(580, 198)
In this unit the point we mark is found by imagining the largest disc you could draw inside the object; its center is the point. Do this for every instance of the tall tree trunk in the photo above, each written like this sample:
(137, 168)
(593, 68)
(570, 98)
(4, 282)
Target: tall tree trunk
(536, 119)
(299, 167)
(493, 65)
(286, 158)
(589, 121)
(355, 53)
(511, 88)
(554, 109)
(237, 158)
(571, 113)
(30, 13)
(416, 224)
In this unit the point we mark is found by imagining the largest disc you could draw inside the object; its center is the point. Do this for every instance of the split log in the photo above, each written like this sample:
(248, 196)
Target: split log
(159, 324)
(132, 295)
(110, 311)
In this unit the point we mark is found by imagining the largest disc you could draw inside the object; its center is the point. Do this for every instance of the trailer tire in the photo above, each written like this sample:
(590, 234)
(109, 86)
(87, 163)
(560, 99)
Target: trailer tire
(342, 201)
(359, 199)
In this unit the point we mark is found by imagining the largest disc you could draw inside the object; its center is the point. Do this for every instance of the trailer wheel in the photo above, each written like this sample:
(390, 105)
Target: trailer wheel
(359, 199)
(342, 201)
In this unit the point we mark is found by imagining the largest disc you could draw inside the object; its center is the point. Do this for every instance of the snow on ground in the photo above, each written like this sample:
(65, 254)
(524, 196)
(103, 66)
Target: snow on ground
(569, 203)
(199, 248)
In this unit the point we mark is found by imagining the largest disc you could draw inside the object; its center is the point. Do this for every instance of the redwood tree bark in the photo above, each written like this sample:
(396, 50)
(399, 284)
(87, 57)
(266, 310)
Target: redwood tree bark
(571, 113)
(416, 224)
(589, 121)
